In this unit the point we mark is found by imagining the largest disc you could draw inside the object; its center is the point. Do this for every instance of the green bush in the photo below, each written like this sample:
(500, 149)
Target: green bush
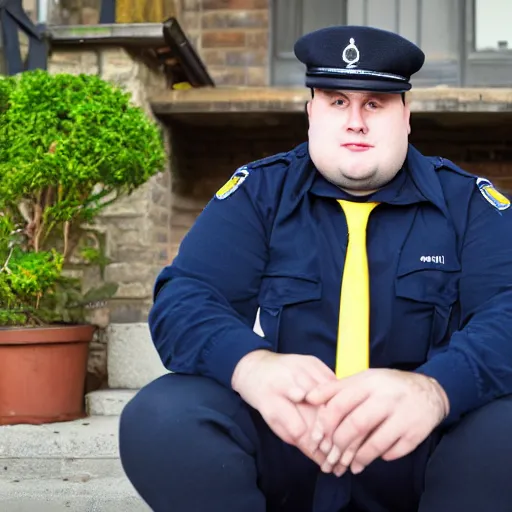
(69, 147)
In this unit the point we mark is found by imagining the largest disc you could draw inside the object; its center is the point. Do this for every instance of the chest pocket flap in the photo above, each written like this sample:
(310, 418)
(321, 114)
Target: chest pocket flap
(282, 290)
(433, 284)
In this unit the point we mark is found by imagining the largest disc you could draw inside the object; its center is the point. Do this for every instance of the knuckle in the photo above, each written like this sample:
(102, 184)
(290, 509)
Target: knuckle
(373, 446)
(272, 416)
(401, 450)
(358, 424)
(337, 405)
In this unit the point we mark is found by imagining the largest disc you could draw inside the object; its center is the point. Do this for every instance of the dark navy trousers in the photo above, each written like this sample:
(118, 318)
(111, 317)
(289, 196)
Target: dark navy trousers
(190, 445)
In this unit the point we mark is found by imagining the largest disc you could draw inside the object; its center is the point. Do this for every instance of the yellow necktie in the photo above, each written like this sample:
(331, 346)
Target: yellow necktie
(353, 350)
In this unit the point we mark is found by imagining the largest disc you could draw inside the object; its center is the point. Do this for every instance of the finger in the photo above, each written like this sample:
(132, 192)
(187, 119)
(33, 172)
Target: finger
(285, 421)
(339, 470)
(404, 446)
(316, 456)
(324, 392)
(338, 408)
(319, 370)
(304, 380)
(317, 439)
(332, 460)
(293, 390)
(381, 440)
(357, 426)
(349, 454)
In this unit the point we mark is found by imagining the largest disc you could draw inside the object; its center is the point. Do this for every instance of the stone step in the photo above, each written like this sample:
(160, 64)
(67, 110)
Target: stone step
(94, 495)
(65, 466)
(108, 402)
(85, 448)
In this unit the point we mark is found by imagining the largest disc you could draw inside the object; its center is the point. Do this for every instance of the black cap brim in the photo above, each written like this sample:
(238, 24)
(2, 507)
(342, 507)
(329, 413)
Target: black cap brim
(329, 82)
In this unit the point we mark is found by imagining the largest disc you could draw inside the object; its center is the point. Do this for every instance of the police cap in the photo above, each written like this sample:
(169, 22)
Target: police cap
(359, 58)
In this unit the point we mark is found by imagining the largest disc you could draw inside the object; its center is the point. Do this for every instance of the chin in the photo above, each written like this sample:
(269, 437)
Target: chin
(358, 174)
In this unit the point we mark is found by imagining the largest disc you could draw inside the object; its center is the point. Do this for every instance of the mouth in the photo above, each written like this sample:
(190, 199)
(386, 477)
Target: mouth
(357, 146)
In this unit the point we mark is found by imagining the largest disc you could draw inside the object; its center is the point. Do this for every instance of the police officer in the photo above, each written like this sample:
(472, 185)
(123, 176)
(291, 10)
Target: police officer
(338, 320)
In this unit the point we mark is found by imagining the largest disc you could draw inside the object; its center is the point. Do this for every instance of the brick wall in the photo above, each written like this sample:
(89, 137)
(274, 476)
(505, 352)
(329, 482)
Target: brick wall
(229, 141)
(231, 36)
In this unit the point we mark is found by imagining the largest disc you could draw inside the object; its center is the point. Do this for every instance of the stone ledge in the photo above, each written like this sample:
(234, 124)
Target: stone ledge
(106, 495)
(88, 438)
(108, 402)
(114, 34)
(276, 99)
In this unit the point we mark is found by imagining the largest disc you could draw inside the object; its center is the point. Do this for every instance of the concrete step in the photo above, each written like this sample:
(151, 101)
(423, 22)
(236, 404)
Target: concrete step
(94, 495)
(71, 450)
(67, 466)
(108, 402)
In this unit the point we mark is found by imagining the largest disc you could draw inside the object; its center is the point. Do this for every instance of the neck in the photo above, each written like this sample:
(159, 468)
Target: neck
(359, 193)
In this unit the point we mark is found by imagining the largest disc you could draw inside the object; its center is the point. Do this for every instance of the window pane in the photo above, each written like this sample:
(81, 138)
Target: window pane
(288, 25)
(493, 25)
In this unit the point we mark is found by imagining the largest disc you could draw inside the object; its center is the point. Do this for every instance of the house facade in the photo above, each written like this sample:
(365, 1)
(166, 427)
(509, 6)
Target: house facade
(461, 109)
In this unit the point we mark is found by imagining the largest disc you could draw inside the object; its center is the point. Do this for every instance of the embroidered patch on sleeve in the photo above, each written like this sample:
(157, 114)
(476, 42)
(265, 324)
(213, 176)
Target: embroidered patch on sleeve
(233, 184)
(497, 199)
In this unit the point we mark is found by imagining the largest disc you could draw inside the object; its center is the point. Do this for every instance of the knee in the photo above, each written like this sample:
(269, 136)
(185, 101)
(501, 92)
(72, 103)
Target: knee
(479, 447)
(484, 437)
(470, 468)
(168, 407)
(170, 415)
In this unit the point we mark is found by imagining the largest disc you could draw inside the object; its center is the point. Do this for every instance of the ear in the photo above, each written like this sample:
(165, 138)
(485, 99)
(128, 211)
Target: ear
(308, 108)
(407, 117)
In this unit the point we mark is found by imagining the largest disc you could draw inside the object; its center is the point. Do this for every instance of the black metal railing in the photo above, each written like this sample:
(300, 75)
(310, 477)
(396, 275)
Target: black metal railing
(181, 62)
(108, 11)
(13, 18)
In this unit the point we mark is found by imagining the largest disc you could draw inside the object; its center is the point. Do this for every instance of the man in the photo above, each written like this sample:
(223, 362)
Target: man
(379, 285)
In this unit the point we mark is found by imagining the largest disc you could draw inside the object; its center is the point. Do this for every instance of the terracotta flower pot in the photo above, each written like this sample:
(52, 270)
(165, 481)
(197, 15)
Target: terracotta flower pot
(42, 373)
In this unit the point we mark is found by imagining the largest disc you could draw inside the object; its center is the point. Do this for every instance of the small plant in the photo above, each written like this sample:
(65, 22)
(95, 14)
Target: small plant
(69, 147)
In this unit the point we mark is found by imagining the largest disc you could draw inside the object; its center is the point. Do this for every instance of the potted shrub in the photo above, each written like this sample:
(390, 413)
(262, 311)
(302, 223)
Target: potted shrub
(69, 147)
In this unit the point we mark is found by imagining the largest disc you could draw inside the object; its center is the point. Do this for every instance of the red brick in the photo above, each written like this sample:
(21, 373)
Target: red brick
(257, 39)
(190, 21)
(191, 5)
(227, 76)
(234, 19)
(246, 57)
(235, 4)
(223, 39)
(214, 57)
(257, 76)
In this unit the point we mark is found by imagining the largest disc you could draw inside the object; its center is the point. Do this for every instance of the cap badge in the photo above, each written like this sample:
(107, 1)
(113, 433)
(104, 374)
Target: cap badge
(351, 54)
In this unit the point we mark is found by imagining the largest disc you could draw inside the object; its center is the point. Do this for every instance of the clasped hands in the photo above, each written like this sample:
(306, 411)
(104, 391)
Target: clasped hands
(340, 423)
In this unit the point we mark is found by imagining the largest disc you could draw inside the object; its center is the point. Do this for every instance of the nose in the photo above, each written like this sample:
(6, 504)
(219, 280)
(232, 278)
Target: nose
(355, 122)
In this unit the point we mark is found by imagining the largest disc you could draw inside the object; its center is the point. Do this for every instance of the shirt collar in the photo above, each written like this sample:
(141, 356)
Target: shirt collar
(416, 182)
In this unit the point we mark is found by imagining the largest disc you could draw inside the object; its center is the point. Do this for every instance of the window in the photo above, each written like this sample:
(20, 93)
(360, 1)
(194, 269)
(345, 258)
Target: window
(467, 43)
(493, 25)
(291, 19)
(489, 43)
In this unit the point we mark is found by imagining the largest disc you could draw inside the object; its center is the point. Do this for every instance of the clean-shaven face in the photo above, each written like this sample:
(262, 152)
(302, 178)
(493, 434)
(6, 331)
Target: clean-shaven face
(358, 140)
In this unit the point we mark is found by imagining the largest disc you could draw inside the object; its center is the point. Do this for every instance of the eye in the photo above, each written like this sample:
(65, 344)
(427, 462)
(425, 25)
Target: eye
(373, 105)
(339, 101)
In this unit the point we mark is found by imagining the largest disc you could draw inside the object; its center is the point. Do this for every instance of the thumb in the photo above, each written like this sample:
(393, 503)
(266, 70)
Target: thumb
(288, 424)
(322, 393)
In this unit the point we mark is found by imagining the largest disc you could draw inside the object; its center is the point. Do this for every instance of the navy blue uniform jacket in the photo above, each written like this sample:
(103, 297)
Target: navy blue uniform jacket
(440, 260)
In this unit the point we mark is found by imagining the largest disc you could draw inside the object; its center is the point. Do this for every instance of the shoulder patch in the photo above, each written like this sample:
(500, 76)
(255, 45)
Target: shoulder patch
(491, 195)
(233, 184)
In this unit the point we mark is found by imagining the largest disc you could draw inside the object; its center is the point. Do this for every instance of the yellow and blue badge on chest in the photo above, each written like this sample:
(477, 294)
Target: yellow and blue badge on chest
(233, 184)
(497, 199)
